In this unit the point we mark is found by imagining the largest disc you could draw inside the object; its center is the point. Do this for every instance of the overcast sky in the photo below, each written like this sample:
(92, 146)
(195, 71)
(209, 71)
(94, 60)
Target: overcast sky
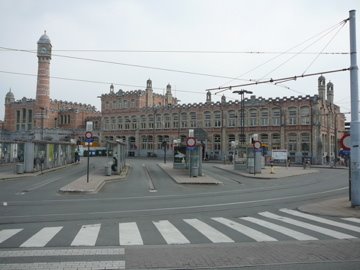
(218, 38)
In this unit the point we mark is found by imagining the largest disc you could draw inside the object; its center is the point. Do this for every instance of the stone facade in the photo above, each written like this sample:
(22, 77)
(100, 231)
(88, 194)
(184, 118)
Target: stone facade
(44, 118)
(305, 125)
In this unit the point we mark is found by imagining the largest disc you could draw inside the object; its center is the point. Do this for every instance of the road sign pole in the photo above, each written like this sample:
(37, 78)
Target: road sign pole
(88, 164)
(355, 123)
(89, 139)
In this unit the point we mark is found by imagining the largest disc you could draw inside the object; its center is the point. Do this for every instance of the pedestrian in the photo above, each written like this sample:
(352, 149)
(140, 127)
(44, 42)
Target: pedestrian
(77, 157)
(114, 165)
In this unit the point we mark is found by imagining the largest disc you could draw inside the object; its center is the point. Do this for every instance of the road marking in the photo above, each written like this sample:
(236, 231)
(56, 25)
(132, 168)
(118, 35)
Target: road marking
(42, 237)
(170, 233)
(6, 234)
(281, 229)
(321, 220)
(65, 265)
(308, 226)
(165, 208)
(129, 234)
(87, 235)
(211, 233)
(61, 252)
(356, 220)
(254, 234)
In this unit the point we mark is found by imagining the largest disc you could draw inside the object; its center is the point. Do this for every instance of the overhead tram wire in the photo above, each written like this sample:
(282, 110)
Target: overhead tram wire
(322, 33)
(93, 82)
(130, 65)
(326, 45)
(186, 51)
(224, 88)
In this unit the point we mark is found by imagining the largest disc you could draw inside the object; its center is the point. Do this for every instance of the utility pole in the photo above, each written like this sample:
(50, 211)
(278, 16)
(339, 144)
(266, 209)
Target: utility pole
(355, 125)
(242, 113)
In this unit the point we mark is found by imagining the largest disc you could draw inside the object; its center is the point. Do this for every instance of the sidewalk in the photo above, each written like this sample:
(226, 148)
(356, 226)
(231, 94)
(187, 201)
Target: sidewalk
(97, 180)
(277, 172)
(182, 176)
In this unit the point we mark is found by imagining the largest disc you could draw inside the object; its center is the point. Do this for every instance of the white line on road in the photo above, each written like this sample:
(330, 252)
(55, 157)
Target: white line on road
(211, 233)
(41, 238)
(129, 234)
(254, 234)
(6, 234)
(61, 252)
(65, 265)
(174, 208)
(356, 220)
(87, 235)
(321, 220)
(308, 226)
(281, 229)
(170, 233)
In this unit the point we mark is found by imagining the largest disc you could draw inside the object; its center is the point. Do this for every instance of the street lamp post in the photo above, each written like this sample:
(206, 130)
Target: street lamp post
(242, 113)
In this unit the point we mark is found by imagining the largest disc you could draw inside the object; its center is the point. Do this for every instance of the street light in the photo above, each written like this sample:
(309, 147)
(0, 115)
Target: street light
(242, 115)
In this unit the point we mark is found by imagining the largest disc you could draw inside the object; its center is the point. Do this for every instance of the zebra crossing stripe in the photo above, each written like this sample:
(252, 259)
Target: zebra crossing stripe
(281, 229)
(211, 233)
(331, 233)
(87, 235)
(42, 237)
(129, 234)
(321, 220)
(170, 233)
(356, 220)
(254, 234)
(6, 234)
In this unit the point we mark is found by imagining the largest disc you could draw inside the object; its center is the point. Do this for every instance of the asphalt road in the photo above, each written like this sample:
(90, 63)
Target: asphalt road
(188, 215)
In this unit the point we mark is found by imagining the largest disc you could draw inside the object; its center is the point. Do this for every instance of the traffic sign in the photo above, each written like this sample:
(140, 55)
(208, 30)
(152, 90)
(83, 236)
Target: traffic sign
(345, 142)
(190, 142)
(257, 144)
(88, 135)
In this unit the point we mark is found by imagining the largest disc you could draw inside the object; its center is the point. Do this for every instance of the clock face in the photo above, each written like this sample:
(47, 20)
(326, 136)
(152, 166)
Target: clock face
(43, 50)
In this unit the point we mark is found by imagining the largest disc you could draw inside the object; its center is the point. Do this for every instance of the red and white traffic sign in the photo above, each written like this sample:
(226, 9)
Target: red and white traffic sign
(88, 135)
(257, 144)
(345, 142)
(190, 142)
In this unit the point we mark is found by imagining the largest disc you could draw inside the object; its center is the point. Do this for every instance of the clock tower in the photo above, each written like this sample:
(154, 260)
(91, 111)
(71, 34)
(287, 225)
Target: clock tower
(42, 109)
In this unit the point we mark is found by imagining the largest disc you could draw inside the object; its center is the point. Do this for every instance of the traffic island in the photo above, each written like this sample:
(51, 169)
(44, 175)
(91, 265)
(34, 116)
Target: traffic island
(97, 180)
(274, 172)
(183, 176)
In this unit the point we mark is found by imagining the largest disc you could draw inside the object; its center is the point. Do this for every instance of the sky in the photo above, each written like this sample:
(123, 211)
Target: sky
(192, 44)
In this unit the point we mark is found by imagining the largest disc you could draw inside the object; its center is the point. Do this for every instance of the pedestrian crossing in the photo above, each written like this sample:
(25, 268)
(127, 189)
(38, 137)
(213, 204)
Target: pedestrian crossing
(281, 225)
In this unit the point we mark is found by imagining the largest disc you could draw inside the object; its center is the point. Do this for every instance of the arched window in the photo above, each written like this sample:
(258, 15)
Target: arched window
(292, 142)
(305, 115)
(183, 120)
(167, 120)
(120, 122)
(292, 114)
(253, 117)
(217, 118)
(193, 119)
(231, 119)
(305, 142)
(276, 117)
(175, 118)
(275, 141)
(207, 119)
(264, 120)
(217, 142)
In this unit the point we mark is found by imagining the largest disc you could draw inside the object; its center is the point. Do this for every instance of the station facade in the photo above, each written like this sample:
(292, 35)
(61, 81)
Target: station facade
(307, 126)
